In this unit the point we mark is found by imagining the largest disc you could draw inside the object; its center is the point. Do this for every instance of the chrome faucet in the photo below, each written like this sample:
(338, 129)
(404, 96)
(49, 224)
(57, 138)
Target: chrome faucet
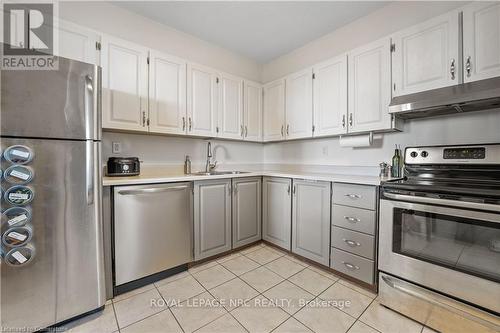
(210, 166)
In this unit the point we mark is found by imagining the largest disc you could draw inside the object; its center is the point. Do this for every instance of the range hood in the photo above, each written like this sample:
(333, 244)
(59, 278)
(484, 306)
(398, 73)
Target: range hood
(466, 97)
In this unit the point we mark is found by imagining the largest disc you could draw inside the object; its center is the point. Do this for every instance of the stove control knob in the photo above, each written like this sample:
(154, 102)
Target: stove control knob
(413, 154)
(424, 154)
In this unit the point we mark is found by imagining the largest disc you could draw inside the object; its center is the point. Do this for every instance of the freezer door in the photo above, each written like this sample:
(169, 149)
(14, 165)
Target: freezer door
(62, 104)
(64, 277)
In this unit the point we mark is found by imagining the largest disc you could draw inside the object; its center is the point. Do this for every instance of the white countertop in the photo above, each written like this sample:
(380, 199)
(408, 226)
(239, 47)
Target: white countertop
(169, 176)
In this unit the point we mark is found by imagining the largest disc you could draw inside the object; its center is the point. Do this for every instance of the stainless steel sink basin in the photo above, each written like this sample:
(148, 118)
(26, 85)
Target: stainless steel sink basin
(217, 173)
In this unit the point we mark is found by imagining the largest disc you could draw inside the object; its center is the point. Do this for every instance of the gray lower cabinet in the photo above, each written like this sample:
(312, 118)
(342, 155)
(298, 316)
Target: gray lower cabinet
(311, 220)
(354, 225)
(276, 211)
(212, 217)
(246, 211)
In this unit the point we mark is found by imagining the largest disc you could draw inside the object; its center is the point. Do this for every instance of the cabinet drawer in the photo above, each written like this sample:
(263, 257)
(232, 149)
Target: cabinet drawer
(362, 196)
(353, 242)
(352, 265)
(357, 219)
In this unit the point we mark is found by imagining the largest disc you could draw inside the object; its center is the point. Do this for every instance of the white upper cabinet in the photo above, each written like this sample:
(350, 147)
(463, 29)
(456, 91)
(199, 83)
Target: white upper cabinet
(167, 94)
(274, 110)
(252, 111)
(202, 100)
(124, 84)
(481, 40)
(369, 87)
(330, 97)
(426, 56)
(230, 107)
(299, 103)
(77, 43)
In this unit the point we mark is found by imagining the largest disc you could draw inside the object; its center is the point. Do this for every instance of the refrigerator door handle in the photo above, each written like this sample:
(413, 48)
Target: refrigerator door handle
(89, 171)
(89, 107)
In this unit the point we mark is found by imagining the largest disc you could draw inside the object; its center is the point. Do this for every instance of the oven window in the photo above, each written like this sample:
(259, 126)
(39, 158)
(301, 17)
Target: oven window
(466, 245)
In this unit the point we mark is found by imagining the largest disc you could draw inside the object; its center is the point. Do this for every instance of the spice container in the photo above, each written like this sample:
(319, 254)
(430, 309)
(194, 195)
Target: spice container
(19, 195)
(18, 154)
(17, 236)
(16, 217)
(20, 256)
(18, 174)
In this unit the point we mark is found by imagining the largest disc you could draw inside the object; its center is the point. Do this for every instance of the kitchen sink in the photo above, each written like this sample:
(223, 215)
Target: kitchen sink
(218, 173)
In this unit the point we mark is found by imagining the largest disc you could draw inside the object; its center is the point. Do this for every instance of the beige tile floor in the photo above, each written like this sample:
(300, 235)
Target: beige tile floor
(259, 289)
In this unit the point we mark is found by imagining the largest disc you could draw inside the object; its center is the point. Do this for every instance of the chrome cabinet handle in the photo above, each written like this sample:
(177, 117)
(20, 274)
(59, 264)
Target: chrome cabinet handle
(282, 127)
(343, 121)
(288, 190)
(246, 131)
(468, 66)
(288, 129)
(452, 69)
(152, 190)
(190, 122)
(294, 189)
(183, 123)
(352, 219)
(350, 266)
(350, 119)
(143, 118)
(351, 243)
(353, 196)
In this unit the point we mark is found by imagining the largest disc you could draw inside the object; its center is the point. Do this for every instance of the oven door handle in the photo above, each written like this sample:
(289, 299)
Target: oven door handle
(446, 202)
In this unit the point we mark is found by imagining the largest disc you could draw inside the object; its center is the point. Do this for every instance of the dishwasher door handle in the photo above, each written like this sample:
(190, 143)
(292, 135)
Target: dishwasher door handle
(153, 190)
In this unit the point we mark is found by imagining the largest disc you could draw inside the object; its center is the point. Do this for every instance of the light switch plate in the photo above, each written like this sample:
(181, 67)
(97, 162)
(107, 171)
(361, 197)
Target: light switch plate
(116, 147)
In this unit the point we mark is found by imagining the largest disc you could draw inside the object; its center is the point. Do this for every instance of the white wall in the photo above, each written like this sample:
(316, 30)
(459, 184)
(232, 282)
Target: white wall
(476, 127)
(107, 18)
(156, 149)
(383, 22)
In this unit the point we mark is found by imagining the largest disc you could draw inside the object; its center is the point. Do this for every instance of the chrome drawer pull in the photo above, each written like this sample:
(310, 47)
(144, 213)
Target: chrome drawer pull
(350, 266)
(352, 219)
(351, 243)
(353, 196)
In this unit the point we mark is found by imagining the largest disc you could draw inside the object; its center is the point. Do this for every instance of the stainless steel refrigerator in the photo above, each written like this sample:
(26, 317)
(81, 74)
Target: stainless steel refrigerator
(52, 253)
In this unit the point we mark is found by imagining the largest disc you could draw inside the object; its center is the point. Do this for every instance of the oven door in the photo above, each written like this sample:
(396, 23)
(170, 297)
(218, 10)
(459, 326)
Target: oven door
(450, 250)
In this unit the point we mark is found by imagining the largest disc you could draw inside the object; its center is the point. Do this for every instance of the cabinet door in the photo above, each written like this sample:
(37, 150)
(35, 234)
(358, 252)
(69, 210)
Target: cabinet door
(201, 100)
(299, 103)
(369, 87)
(124, 85)
(212, 217)
(252, 110)
(330, 97)
(78, 43)
(246, 211)
(274, 110)
(311, 220)
(426, 56)
(481, 41)
(230, 107)
(276, 211)
(167, 94)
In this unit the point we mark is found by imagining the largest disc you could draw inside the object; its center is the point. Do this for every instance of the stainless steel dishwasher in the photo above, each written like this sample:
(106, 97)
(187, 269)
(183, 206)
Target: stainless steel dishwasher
(153, 229)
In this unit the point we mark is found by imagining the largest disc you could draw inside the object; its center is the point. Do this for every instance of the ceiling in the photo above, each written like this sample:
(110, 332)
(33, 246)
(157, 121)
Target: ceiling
(261, 31)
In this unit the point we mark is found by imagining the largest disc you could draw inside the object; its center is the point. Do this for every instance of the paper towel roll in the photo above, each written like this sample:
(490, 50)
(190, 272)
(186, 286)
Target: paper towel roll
(365, 140)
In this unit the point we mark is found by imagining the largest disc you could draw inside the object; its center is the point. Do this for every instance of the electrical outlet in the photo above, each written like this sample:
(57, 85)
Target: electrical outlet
(325, 150)
(116, 147)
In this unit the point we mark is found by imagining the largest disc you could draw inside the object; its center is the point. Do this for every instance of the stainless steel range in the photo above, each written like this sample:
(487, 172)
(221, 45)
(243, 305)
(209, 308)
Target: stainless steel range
(439, 252)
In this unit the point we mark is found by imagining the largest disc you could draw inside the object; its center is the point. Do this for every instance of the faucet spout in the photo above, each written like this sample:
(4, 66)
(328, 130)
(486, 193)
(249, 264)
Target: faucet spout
(209, 166)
